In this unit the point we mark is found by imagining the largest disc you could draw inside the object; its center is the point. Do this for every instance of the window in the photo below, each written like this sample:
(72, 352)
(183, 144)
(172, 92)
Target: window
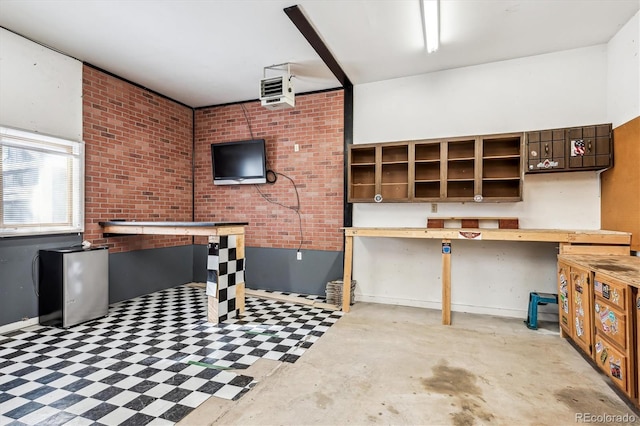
(41, 184)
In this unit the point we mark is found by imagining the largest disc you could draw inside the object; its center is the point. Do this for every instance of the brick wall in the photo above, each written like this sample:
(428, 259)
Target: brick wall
(138, 158)
(316, 125)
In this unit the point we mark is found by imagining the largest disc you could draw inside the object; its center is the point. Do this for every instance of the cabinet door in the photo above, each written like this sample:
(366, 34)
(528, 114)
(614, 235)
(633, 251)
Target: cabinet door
(589, 147)
(637, 347)
(546, 151)
(581, 314)
(564, 299)
(613, 362)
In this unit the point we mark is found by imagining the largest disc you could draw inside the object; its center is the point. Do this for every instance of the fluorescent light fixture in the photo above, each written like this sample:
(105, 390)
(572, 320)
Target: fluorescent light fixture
(431, 24)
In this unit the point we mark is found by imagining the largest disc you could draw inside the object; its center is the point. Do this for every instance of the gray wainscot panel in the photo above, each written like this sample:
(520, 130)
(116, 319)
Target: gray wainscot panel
(139, 272)
(18, 300)
(278, 269)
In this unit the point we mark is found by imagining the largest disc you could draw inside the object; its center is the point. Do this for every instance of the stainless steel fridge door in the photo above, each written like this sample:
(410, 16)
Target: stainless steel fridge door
(86, 286)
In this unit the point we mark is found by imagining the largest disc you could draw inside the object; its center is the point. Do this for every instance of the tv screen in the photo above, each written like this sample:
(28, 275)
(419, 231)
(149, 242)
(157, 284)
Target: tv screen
(240, 162)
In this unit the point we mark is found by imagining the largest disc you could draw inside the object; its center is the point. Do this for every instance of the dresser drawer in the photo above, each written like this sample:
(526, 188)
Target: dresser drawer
(613, 362)
(611, 291)
(611, 323)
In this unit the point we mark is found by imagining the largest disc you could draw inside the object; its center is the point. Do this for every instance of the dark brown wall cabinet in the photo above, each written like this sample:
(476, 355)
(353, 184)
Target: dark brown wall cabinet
(570, 149)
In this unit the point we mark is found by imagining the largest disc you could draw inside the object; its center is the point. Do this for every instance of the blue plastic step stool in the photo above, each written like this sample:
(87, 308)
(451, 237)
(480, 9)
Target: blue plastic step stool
(536, 299)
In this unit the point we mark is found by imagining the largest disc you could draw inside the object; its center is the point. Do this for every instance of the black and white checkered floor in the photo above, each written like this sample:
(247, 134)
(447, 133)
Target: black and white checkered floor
(152, 360)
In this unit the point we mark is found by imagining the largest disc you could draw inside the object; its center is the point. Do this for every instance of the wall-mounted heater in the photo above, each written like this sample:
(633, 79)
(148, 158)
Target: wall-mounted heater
(277, 92)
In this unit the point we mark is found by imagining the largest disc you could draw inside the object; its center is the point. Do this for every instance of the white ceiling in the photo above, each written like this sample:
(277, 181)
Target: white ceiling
(211, 52)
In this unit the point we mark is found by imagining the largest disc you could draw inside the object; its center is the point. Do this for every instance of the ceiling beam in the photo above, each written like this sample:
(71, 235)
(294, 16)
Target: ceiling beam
(306, 29)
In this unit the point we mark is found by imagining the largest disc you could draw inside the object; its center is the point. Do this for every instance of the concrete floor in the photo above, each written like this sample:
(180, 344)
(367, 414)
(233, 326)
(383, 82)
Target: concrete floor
(383, 364)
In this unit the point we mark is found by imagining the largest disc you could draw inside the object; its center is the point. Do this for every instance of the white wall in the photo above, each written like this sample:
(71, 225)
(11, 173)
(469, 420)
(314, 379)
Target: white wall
(40, 90)
(547, 91)
(623, 73)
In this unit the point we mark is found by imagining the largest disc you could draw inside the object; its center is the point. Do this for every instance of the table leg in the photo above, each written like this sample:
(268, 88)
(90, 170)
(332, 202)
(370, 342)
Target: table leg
(240, 293)
(446, 282)
(212, 280)
(346, 284)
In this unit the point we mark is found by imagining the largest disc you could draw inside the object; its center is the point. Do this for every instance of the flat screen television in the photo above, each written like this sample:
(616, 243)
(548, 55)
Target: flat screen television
(239, 162)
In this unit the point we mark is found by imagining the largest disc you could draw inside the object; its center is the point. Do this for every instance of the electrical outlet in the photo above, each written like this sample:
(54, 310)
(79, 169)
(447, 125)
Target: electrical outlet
(434, 208)
(299, 255)
(296, 147)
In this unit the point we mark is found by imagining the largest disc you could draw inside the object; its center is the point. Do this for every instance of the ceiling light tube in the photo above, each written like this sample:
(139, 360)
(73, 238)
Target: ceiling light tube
(431, 24)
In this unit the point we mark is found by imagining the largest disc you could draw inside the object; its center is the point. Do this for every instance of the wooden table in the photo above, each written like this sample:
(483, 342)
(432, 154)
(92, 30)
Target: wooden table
(571, 242)
(229, 278)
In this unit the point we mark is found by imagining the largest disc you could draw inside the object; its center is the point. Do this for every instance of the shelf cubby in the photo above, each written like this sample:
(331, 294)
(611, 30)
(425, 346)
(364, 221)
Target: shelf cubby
(395, 154)
(509, 147)
(460, 189)
(395, 173)
(461, 150)
(363, 191)
(429, 190)
(397, 191)
(427, 152)
(363, 155)
(501, 188)
(427, 171)
(460, 169)
(501, 168)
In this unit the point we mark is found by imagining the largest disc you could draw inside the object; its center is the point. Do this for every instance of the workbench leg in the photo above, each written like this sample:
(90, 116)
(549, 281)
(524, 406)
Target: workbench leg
(446, 282)
(346, 283)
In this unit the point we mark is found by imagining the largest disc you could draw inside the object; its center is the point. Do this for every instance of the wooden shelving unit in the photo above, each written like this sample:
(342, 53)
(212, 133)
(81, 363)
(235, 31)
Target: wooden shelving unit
(456, 169)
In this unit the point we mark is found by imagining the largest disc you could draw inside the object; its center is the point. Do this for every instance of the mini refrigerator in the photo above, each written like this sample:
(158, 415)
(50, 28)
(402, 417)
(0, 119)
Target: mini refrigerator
(73, 285)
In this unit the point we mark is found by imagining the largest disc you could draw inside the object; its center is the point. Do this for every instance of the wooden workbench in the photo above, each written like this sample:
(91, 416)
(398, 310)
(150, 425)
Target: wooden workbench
(224, 238)
(571, 242)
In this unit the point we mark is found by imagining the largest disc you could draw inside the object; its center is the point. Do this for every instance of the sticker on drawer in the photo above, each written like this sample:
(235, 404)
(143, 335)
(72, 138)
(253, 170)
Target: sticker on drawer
(612, 362)
(611, 292)
(616, 369)
(602, 289)
(608, 319)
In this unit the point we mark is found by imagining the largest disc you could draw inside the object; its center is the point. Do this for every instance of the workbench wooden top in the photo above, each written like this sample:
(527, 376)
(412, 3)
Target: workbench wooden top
(621, 268)
(598, 236)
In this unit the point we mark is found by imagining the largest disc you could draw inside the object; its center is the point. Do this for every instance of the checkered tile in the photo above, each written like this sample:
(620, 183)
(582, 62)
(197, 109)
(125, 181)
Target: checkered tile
(224, 271)
(153, 359)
